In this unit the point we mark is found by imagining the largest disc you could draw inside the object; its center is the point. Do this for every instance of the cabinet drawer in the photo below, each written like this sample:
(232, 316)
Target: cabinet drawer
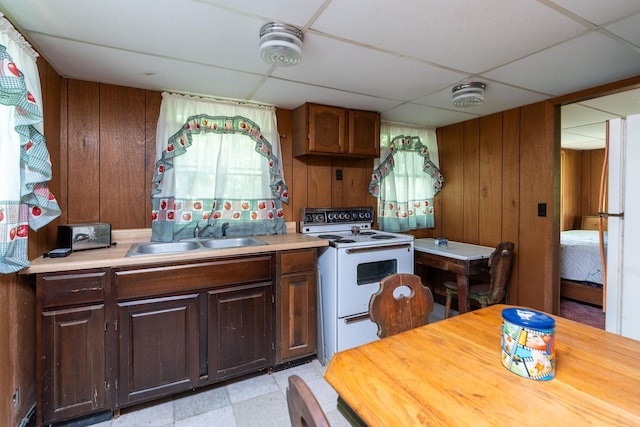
(70, 288)
(176, 278)
(295, 261)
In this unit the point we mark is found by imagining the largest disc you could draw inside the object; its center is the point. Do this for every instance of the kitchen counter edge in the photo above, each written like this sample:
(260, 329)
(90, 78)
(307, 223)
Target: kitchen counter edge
(114, 256)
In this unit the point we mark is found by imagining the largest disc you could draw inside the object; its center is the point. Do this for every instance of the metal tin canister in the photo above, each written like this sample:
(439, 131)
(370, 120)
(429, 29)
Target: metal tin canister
(528, 343)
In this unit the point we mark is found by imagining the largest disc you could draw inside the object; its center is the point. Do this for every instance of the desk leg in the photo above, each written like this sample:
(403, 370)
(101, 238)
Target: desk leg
(463, 292)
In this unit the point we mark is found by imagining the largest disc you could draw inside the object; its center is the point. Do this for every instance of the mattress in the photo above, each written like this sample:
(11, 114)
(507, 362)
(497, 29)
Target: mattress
(580, 256)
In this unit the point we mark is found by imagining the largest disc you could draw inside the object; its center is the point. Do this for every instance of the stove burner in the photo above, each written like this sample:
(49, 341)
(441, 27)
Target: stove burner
(367, 233)
(329, 236)
(383, 236)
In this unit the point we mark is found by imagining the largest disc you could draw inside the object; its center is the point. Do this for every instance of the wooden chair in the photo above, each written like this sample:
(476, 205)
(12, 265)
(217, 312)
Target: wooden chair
(304, 409)
(401, 303)
(500, 265)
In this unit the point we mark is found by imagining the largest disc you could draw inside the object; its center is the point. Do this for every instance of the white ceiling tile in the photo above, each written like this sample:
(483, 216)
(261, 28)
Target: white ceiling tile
(293, 12)
(148, 72)
(498, 97)
(290, 95)
(628, 29)
(619, 105)
(578, 64)
(464, 35)
(369, 71)
(600, 12)
(580, 114)
(426, 116)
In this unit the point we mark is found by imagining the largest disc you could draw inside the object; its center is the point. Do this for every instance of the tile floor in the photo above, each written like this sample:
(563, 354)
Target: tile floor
(259, 401)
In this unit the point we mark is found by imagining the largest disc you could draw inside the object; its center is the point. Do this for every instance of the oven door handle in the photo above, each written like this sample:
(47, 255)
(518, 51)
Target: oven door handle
(358, 318)
(378, 248)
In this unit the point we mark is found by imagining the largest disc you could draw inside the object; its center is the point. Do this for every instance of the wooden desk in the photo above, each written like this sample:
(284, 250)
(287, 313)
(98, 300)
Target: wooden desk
(464, 259)
(450, 373)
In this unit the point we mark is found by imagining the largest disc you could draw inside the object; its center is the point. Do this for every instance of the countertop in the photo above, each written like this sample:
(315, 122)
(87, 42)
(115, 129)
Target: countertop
(458, 250)
(114, 256)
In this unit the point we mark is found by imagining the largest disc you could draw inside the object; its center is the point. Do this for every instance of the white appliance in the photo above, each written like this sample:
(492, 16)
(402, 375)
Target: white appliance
(350, 270)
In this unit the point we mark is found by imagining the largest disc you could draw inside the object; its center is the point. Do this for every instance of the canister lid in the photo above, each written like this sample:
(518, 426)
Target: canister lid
(528, 318)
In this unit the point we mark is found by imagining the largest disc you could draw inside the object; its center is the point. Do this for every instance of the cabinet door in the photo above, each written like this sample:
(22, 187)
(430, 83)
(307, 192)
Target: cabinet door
(327, 129)
(298, 316)
(159, 352)
(74, 380)
(364, 133)
(240, 330)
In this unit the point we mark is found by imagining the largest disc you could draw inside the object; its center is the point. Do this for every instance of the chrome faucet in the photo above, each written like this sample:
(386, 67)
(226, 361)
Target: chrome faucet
(198, 232)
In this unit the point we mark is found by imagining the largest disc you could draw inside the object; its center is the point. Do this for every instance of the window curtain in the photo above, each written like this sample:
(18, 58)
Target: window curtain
(406, 177)
(25, 166)
(217, 163)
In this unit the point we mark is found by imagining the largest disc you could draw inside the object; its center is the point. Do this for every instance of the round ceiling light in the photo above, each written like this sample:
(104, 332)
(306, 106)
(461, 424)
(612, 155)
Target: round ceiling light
(468, 94)
(280, 44)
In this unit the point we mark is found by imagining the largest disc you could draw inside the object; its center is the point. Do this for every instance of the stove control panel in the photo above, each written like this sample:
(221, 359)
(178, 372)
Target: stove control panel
(323, 216)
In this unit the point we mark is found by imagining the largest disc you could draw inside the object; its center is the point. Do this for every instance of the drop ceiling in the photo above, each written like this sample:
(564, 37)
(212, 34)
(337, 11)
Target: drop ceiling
(398, 58)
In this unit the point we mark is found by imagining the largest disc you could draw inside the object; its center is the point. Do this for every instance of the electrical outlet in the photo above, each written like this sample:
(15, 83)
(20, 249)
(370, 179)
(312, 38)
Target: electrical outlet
(542, 209)
(338, 174)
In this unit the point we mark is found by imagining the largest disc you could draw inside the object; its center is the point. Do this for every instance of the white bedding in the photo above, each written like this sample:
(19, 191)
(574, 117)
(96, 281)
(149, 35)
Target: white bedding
(580, 256)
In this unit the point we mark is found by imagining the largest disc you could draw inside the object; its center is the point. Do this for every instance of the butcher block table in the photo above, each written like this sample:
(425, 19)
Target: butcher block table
(464, 259)
(450, 373)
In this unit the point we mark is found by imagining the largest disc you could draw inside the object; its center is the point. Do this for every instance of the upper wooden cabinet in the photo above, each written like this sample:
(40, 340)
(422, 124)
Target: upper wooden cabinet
(334, 131)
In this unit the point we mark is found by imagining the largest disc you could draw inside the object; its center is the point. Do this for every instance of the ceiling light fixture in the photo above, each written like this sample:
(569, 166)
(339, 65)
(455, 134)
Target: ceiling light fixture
(280, 44)
(468, 94)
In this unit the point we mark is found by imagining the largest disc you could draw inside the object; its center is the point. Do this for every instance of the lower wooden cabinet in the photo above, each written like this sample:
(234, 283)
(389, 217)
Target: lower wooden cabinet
(296, 305)
(74, 379)
(71, 345)
(240, 331)
(110, 338)
(158, 347)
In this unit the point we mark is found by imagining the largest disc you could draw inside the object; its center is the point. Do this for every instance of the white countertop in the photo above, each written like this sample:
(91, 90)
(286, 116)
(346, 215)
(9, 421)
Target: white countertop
(458, 250)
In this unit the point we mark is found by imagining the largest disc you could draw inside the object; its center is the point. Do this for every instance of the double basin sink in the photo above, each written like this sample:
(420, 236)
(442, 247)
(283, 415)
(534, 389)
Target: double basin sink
(189, 245)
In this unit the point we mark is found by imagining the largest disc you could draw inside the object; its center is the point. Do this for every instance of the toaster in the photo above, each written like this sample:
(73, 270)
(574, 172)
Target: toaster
(79, 237)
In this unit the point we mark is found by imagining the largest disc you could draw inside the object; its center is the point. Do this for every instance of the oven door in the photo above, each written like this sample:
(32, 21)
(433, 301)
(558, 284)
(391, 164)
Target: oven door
(360, 270)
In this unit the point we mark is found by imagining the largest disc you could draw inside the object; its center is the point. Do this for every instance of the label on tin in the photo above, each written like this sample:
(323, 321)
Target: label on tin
(526, 351)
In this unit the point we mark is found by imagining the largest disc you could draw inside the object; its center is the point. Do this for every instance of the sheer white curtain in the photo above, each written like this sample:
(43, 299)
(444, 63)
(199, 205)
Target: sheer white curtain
(25, 166)
(406, 177)
(217, 163)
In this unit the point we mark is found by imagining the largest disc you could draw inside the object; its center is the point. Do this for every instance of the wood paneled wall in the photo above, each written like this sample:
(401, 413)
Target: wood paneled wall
(497, 170)
(581, 176)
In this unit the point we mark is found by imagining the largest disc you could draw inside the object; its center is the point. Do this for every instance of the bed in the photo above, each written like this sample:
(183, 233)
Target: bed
(581, 271)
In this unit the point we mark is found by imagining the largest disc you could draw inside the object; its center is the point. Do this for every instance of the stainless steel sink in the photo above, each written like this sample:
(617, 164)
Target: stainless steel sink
(231, 242)
(188, 245)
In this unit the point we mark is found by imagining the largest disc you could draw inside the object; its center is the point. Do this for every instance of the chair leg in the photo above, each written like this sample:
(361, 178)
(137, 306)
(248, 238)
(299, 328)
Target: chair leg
(447, 305)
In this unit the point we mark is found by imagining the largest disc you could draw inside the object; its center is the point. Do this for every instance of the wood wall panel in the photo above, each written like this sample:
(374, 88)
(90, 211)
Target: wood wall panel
(153, 100)
(571, 190)
(539, 284)
(450, 149)
(490, 180)
(123, 202)
(83, 156)
(470, 182)
(319, 181)
(581, 173)
(356, 178)
(511, 192)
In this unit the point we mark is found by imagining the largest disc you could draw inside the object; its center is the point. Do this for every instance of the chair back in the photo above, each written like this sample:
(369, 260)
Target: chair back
(500, 266)
(304, 409)
(401, 303)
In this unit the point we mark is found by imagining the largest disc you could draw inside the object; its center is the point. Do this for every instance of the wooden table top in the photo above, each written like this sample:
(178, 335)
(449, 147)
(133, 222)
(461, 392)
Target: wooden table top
(450, 373)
